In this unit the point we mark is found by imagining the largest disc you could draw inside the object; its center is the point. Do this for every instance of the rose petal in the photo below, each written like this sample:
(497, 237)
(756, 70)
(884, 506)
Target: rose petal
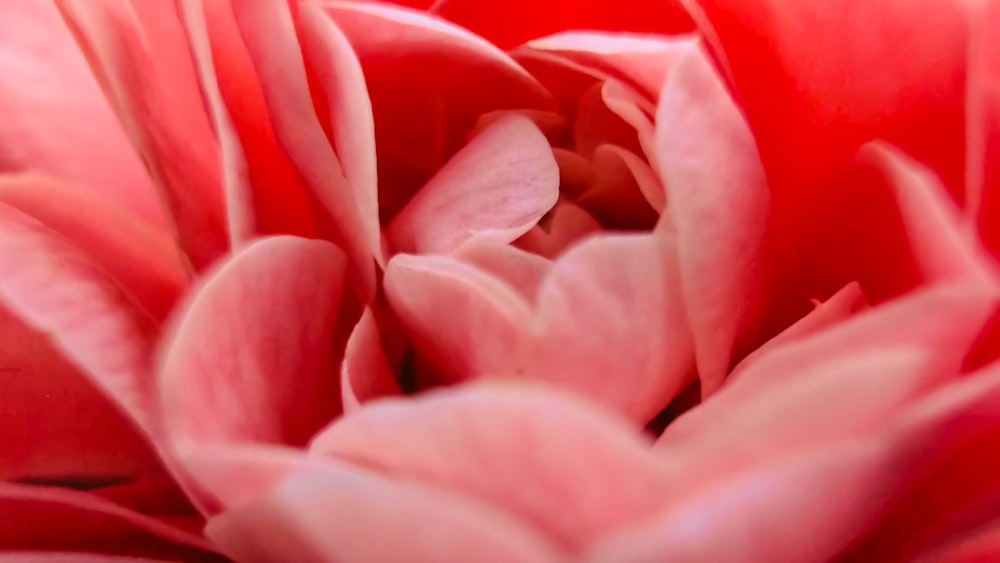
(616, 195)
(983, 121)
(365, 374)
(612, 324)
(522, 270)
(425, 524)
(568, 224)
(498, 186)
(572, 471)
(136, 54)
(463, 320)
(249, 358)
(499, 21)
(56, 118)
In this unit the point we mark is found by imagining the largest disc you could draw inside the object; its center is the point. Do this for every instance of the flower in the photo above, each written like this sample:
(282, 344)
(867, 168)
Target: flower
(463, 281)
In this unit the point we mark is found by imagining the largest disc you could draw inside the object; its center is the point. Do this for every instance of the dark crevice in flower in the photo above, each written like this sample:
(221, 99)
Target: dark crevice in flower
(683, 402)
(76, 482)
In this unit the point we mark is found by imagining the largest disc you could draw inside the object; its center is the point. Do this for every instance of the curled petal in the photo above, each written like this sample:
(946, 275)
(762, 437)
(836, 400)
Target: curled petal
(365, 374)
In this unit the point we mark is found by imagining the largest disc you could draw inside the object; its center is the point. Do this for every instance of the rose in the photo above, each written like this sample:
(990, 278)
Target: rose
(260, 160)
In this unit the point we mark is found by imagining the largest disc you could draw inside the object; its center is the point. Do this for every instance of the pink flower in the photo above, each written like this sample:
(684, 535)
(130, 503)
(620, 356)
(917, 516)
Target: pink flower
(499, 281)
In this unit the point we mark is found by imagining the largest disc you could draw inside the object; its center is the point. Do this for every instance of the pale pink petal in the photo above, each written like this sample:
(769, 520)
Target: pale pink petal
(334, 512)
(63, 519)
(498, 186)
(143, 259)
(464, 321)
(522, 270)
(642, 60)
(57, 121)
(807, 508)
(506, 24)
(718, 205)
(145, 70)
(250, 356)
(55, 288)
(365, 374)
(568, 224)
(429, 82)
(612, 324)
(268, 28)
(569, 470)
(943, 320)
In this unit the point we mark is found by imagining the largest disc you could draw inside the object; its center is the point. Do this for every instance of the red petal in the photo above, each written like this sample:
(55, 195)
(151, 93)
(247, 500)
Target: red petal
(250, 357)
(498, 186)
(143, 64)
(569, 470)
(612, 325)
(983, 120)
(56, 119)
(510, 23)
(718, 205)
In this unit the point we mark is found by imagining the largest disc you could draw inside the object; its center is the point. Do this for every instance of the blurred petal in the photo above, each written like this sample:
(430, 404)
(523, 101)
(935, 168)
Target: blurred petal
(250, 356)
(552, 461)
(365, 374)
(612, 324)
(143, 259)
(718, 204)
(144, 67)
(513, 22)
(376, 519)
(983, 120)
(57, 121)
(498, 186)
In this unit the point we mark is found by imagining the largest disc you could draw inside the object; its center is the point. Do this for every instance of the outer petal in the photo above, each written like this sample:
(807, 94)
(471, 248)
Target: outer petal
(249, 359)
(569, 470)
(612, 325)
(334, 512)
(498, 186)
(503, 24)
(817, 79)
(56, 119)
(144, 68)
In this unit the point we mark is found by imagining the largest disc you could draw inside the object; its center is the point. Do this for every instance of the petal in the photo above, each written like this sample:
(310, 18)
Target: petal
(616, 196)
(136, 55)
(521, 270)
(612, 324)
(63, 519)
(250, 356)
(425, 524)
(56, 289)
(983, 121)
(143, 259)
(568, 224)
(365, 374)
(498, 186)
(463, 320)
(789, 61)
(57, 121)
(268, 27)
(499, 21)
(718, 204)
(429, 82)
(571, 471)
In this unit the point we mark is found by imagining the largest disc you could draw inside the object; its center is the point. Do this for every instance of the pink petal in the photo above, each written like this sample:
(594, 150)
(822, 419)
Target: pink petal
(943, 321)
(463, 320)
(616, 195)
(718, 204)
(568, 225)
(365, 374)
(521, 270)
(250, 358)
(374, 519)
(498, 186)
(598, 124)
(510, 23)
(268, 27)
(136, 55)
(817, 79)
(143, 259)
(641, 60)
(612, 324)
(567, 469)
(277, 202)
(807, 508)
(56, 119)
(63, 519)
(429, 82)
(56, 289)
